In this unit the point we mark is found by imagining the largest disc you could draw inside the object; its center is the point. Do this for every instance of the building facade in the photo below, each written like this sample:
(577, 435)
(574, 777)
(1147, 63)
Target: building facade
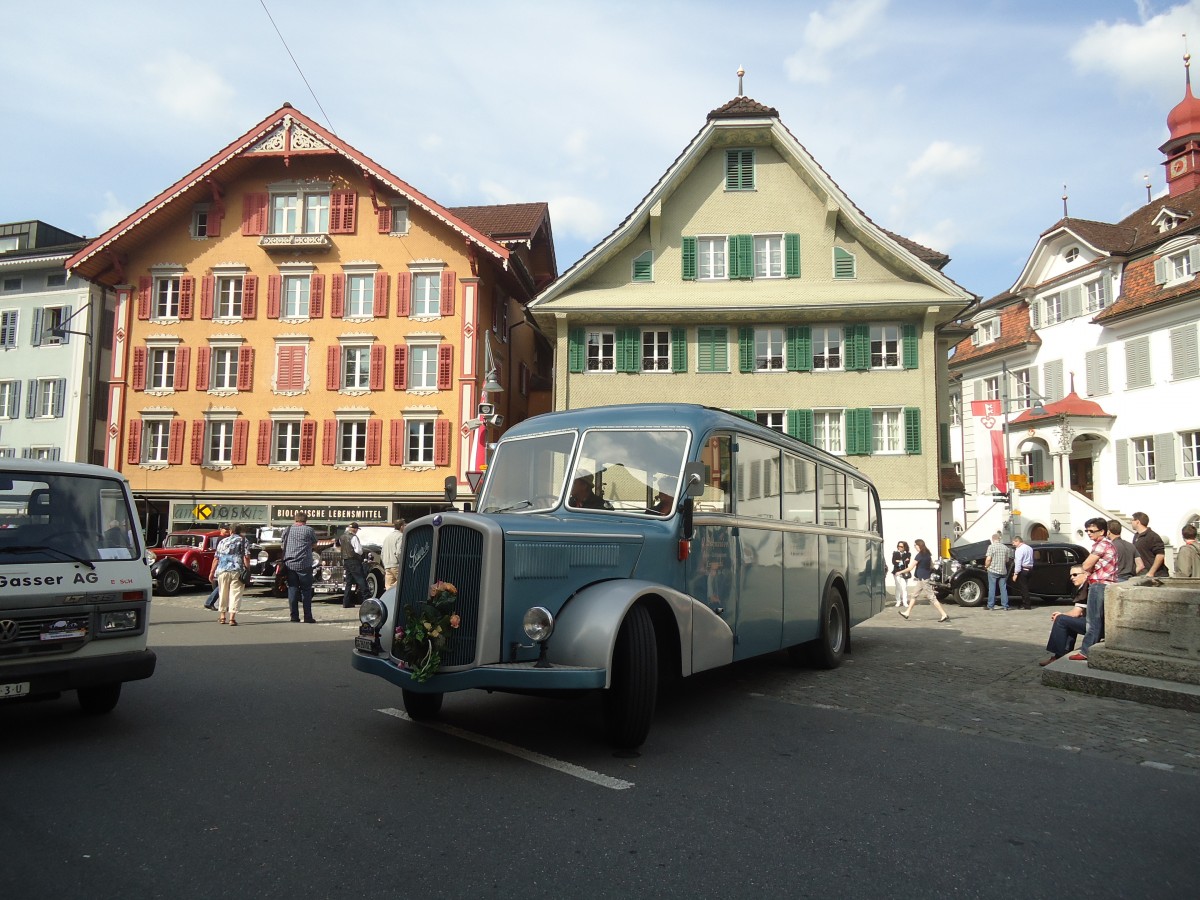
(299, 329)
(746, 279)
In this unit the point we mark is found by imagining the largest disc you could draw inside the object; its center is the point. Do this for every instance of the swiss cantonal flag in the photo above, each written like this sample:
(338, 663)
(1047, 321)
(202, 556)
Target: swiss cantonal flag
(986, 408)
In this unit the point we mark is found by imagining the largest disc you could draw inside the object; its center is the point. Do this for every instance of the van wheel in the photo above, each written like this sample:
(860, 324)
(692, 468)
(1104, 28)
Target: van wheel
(422, 707)
(629, 701)
(169, 582)
(95, 701)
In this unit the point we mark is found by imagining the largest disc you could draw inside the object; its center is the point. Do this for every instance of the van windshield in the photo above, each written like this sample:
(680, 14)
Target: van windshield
(59, 517)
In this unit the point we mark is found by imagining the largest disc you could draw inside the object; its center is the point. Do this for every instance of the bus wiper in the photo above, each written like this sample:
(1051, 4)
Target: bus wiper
(30, 548)
(500, 509)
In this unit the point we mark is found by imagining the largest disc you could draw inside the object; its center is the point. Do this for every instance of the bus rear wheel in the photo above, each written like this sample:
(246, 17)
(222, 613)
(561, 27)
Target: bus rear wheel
(828, 650)
(422, 707)
(633, 692)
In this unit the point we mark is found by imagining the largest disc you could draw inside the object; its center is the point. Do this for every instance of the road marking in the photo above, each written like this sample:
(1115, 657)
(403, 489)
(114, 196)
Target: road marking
(607, 781)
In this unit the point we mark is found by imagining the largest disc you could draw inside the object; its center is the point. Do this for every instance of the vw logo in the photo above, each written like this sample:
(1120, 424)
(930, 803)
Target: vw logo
(8, 630)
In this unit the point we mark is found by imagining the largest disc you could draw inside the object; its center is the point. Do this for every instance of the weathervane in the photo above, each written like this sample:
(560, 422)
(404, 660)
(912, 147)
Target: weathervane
(1065, 202)
(740, 73)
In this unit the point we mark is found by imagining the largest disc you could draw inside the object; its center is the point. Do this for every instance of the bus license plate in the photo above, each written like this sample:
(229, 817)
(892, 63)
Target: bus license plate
(366, 644)
(20, 689)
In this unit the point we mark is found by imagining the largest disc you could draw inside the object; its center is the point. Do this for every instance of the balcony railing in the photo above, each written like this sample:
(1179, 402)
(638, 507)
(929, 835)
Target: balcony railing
(294, 241)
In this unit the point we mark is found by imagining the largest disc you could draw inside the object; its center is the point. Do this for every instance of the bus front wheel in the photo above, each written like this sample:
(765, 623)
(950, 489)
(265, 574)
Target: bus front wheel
(422, 707)
(633, 692)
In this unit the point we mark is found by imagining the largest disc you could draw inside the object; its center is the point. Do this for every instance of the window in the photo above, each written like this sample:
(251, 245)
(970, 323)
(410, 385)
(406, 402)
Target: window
(773, 420)
(399, 223)
(1137, 363)
(601, 351)
(352, 442)
(768, 350)
(156, 441)
(656, 351)
(827, 430)
(991, 388)
(56, 279)
(418, 442)
(49, 324)
(1071, 255)
(712, 349)
(223, 373)
(739, 170)
(161, 376)
(827, 349)
(1053, 306)
(843, 263)
(295, 297)
(285, 442)
(887, 431)
(360, 296)
(229, 297)
(955, 409)
(426, 293)
(356, 367)
(1095, 295)
(11, 284)
(986, 332)
(1190, 443)
(885, 347)
(768, 256)
(291, 367)
(10, 399)
(300, 212)
(422, 367)
(8, 328)
(166, 297)
(220, 442)
(711, 258)
(10, 242)
(200, 220)
(643, 267)
(1143, 459)
(1022, 397)
(46, 397)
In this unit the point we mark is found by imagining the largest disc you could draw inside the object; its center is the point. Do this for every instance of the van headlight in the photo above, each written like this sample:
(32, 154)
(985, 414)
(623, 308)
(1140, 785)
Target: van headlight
(120, 620)
(372, 613)
(538, 624)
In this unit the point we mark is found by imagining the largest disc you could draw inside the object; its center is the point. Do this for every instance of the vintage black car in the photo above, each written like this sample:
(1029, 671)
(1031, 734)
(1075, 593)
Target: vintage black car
(963, 577)
(329, 579)
(265, 553)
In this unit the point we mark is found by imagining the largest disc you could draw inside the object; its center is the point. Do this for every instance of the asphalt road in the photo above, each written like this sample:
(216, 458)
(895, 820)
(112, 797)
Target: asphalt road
(257, 763)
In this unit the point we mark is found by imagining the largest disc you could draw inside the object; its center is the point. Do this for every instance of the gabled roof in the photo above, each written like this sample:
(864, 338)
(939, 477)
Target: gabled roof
(505, 221)
(1015, 332)
(273, 135)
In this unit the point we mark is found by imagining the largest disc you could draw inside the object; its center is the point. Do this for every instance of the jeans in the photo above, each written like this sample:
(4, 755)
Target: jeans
(355, 575)
(993, 580)
(211, 602)
(1095, 616)
(300, 592)
(1063, 633)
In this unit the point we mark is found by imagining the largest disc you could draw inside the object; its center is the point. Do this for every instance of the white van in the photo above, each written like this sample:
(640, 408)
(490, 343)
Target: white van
(74, 584)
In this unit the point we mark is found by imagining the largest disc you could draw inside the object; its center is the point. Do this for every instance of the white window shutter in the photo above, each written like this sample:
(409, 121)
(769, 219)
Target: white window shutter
(1035, 310)
(1184, 360)
(1194, 259)
(1164, 457)
(1123, 461)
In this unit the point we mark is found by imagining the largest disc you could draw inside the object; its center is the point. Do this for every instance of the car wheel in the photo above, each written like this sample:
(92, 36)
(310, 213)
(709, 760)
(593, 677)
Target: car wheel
(374, 583)
(422, 707)
(970, 592)
(96, 701)
(633, 692)
(169, 582)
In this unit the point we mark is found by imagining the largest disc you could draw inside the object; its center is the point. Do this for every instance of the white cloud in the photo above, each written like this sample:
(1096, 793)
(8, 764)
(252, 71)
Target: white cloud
(941, 236)
(185, 88)
(831, 32)
(108, 215)
(942, 158)
(581, 218)
(1132, 52)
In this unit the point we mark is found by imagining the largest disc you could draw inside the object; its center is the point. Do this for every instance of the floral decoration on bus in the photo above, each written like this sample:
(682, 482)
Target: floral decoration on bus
(419, 642)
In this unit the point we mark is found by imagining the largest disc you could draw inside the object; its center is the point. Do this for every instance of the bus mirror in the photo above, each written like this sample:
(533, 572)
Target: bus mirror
(693, 479)
(451, 484)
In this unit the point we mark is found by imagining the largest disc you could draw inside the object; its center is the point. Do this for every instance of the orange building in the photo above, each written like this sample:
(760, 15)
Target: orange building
(298, 328)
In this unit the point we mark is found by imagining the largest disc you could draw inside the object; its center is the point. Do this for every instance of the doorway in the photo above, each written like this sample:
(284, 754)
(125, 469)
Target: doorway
(1081, 476)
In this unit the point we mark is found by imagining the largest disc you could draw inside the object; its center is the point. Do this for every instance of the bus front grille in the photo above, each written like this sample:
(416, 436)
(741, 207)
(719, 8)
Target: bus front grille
(452, 553)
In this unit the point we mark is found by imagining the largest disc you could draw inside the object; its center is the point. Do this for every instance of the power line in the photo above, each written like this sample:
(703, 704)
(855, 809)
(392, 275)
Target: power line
(298, 69)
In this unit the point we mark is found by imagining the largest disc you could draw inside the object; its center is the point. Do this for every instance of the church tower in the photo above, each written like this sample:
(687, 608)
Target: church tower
(1182, 148)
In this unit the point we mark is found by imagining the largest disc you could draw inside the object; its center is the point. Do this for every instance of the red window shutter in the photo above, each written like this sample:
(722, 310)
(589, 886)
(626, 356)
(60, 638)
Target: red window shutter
(145, 289)
(139, 368)
(175, 442)
(385, 218)
(250, 297)
(245, 376)
(203, 357)
(289, 365)
(197, 441)
(135, 442)
(342, 207)
(329, 442)
(404, 294)
(308, 442)
(374, 441)
(333, 368)
(183, 359)
(212, 225)
(316, 296)
(396, 445)
(383, 285)
(337, 296)
(449, 289)
(274, 287)
(441, 442)
(377, 366)
(400, 367)
(207, 286)
(264, 442)
(187, 292)
(254, 214)
(241, 437)
(445, 367)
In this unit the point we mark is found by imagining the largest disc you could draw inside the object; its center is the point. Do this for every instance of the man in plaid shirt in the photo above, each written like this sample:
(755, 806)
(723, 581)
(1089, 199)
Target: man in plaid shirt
(1101, 566)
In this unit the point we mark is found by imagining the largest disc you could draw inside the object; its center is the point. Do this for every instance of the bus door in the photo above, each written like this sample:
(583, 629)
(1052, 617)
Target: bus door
(759, 549)
(711, 569)
(802, 551)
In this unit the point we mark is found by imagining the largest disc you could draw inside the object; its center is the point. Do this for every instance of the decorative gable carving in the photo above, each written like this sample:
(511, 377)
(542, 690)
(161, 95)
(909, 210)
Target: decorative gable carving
(291, 137)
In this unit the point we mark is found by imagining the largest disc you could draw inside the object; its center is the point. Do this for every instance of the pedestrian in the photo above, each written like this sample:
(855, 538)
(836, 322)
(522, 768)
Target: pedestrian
(296, 556)
(1022, 568)
(921, 568)
(392, 552)
(1152, 555)
(1065, 627)
(233, 558)
(1101, 566)
(1126, 552)
(901, 557)
(211, 602)
(352, 563)
(1187, 560)
(996, 562)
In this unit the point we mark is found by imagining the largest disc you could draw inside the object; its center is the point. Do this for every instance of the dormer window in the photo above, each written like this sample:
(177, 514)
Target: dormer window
(1168, 219)
(1178, 267)
(1071, 254)
(986, 332)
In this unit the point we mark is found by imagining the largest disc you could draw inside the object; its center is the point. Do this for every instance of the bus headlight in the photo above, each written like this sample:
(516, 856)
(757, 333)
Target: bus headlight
(372, 614)
(538, 624)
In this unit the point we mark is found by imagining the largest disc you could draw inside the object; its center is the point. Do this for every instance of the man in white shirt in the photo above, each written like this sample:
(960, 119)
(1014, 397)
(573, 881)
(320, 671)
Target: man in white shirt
(392, 552)
(1022, 568)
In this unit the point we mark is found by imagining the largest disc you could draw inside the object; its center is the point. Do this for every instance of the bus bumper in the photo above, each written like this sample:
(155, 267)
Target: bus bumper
(503, 676)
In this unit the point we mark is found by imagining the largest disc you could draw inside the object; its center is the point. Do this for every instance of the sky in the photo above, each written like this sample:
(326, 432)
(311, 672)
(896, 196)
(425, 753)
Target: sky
(954, 124)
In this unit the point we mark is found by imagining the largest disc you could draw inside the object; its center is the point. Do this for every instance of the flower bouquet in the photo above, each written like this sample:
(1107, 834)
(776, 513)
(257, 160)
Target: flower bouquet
(419, 642)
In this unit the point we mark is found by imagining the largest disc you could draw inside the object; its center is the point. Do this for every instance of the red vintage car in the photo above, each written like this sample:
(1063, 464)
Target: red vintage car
(184, 558)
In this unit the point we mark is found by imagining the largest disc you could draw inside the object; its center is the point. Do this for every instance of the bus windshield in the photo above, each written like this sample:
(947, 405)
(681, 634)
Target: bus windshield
(61, 517)
(629, 470)
(527, 474)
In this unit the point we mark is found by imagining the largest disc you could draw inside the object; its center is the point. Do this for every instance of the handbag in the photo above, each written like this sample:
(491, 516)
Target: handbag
(244, 576)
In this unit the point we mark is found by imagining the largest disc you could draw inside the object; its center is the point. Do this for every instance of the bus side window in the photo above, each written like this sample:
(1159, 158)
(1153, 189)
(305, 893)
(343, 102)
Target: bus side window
(716, 458)
(799, 490)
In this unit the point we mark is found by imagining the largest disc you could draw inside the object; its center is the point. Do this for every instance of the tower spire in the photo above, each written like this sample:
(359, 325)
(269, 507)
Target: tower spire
(740, 74)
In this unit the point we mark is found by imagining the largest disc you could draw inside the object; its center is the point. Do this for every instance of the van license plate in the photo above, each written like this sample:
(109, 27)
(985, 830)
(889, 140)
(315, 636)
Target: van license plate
(20, 689)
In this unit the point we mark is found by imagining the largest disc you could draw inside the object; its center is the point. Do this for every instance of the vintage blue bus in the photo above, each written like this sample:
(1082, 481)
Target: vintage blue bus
(615, 547)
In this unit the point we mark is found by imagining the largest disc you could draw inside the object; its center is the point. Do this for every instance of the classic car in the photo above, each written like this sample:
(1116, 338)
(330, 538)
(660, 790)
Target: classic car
(963, 577)
(265, 553)
(184, 558)
(330, 578)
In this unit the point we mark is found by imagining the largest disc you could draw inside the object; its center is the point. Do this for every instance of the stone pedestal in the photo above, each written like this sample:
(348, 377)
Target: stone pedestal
(1151, 631)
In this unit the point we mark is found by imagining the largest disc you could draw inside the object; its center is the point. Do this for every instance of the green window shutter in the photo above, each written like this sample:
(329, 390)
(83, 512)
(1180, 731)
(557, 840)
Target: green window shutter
(858, 432)
(643, 267)
(843, 263)
(678, 349)
(908, 346)
(733, 266)
(800, 424)
(629, 347)
(712, 349)
(576, 352)
(944, 448)
(858, 348)
(689, 259)
(791, 255)
(745, 414)
(744, 244)
(739, 170)
(745, 349)
(912, 429)
(799, 348)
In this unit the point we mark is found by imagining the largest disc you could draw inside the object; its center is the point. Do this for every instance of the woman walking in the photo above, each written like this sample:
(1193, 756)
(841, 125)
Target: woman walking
(901, 557)
(921, 568)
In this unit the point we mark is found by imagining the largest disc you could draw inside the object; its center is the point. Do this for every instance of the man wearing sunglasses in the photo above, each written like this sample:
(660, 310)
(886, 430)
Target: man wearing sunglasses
(1065, 627)
(1101, 566)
